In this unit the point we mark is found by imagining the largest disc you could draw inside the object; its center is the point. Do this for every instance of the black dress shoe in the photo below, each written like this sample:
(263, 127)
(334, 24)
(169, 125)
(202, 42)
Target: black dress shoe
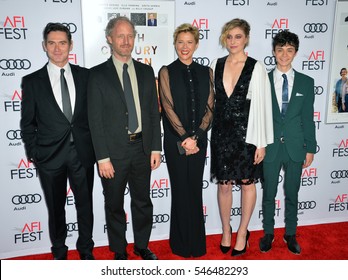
(145, 254)
(121, 256)
(293, 246)
(225, 249)
(266, 243)
(236, 253)
(87, 256)
(61, 257)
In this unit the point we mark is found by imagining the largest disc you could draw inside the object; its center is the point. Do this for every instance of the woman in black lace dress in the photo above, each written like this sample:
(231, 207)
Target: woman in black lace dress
(187, 98)
(242, 128)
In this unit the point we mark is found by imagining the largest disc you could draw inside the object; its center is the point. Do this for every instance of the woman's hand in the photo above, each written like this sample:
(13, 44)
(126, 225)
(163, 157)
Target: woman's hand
(259, 155)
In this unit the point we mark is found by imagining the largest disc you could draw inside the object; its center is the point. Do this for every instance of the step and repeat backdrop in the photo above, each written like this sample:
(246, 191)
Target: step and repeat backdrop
(321, 26)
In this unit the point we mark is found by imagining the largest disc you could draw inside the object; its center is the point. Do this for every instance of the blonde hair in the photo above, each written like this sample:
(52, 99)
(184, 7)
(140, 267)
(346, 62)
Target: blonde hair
(237, 22)
(186, 27)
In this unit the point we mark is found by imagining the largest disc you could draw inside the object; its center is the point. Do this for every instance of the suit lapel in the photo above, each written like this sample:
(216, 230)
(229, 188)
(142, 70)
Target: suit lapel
(275, 105)
(47, 92)
(77, 81)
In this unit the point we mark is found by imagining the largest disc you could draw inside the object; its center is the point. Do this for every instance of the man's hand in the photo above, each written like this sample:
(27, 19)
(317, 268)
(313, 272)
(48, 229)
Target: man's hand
(106, 170)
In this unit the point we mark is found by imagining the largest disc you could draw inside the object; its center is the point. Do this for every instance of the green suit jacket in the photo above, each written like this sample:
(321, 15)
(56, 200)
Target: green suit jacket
(297, 127)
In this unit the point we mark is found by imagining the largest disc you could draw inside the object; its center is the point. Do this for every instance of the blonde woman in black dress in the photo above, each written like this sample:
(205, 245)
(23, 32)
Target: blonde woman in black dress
(242, 128)
(187, 98)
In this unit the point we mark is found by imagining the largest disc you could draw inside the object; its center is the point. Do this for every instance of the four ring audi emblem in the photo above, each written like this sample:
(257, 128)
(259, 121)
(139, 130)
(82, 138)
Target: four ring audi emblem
(26, 199)
(202, 60)
(160, 218)
(339, 174)
(269, 60)
(14, 134)
(318, 90)
(306, 205)
(315, 27)
(15, 64)
(71, 26)
(70, 227)
(236, 211)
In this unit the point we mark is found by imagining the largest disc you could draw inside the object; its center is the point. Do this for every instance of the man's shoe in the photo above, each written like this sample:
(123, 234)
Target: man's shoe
(266, 243)
(293, 246)
(121, 256)
(87, 256)
(145, 254)
(64, 256)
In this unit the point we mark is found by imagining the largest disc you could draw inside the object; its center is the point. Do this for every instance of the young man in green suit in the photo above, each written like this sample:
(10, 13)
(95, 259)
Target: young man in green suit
(294, 139)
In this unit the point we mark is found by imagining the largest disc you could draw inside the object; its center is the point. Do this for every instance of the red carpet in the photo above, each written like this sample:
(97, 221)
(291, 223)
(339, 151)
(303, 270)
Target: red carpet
(318, 242)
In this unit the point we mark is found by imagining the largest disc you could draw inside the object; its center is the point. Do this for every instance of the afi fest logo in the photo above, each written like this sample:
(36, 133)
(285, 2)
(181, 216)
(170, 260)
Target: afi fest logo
(315, 61)
(30, 232)
(25, 170)
(70, 199)
(203, 26)
(15, 104)
(317, 2)
(340, 204)
(277, 26)
(342, 150)
(205, 213)
(309, 177)
(317, 119)
(160, 188)
(237, 2)
(277, 209)
(14, 28)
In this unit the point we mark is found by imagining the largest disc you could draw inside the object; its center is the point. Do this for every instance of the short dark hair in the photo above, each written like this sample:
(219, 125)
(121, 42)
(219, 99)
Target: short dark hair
(344, 68)
(56, 26)
(286, 37)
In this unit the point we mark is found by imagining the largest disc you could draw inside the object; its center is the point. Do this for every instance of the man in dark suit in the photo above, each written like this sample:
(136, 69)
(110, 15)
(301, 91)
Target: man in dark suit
(294, 139)
(58, 140)
(152, 21)
(126, 137)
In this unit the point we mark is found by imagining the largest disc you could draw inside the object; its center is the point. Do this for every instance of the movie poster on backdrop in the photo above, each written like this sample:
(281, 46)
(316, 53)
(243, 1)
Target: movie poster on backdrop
(154, 23)
(337, 103)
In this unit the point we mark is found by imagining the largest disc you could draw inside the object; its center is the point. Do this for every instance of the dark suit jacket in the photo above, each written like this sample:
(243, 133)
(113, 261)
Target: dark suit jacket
(107, 110)
(45, 129)
(297, 126)
(149, 22)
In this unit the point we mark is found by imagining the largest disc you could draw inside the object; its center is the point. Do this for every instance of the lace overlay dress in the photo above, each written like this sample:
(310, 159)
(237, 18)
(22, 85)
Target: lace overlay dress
(231, 157)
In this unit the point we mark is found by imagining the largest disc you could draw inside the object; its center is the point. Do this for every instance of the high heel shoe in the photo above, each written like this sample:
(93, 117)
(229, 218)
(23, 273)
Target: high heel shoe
(225, 249)
(241, 252)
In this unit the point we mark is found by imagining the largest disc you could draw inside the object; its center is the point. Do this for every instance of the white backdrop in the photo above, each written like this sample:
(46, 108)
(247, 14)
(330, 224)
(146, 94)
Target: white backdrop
(324, 193)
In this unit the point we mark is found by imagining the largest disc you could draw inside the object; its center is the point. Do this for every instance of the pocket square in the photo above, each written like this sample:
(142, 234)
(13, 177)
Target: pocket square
(299, 94)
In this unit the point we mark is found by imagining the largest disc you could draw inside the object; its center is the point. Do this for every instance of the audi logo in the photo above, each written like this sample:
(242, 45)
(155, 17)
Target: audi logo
(160, 218)
(318, 90)
(202, 60)
(205, 184)
(339, 174)
(15, 64)
(236, 211)
(269, 60)
(306, 205)
(14, 134)
(315, 27)
(71, 26)
(70, 227)
(26, 199)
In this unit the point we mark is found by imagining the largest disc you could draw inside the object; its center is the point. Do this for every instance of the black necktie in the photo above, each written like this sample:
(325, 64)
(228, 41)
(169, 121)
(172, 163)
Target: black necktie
(65, 96)
(285, 95)
(127, 88)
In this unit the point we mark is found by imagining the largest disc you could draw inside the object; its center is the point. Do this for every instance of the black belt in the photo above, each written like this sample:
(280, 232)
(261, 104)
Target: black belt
(135, 137)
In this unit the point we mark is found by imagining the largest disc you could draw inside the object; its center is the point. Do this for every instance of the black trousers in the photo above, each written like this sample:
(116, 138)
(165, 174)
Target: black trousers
(54, 185)
(135, 170)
